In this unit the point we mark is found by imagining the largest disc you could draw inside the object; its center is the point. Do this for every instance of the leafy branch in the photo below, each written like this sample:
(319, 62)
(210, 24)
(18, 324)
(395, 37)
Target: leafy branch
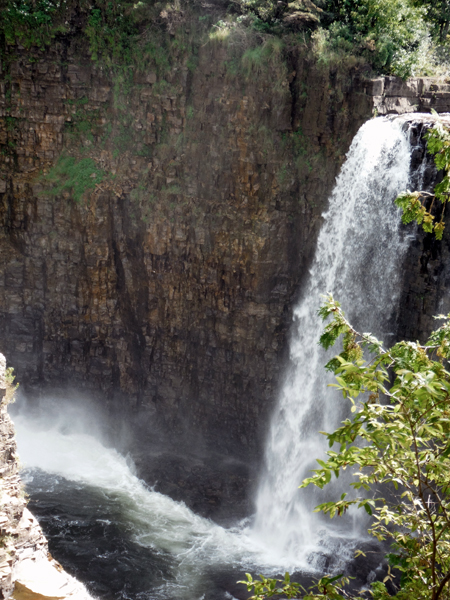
(399, 444)
(396, 445)
(414, 204)
(331, 588)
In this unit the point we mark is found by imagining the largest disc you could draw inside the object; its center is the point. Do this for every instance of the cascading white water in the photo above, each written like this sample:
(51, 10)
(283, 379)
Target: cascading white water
(66, 464)
(358, 259)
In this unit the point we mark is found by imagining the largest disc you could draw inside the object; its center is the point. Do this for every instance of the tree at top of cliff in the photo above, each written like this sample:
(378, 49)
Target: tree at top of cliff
(401, 37)
(438, 14)
(33, 23)
(391, 35)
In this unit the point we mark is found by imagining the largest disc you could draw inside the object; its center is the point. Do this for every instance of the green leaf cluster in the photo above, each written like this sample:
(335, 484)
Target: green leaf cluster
(116, 30)
(330, 587)
(268, 16)
(414, 204)
(111, 32)
(397, 445)
(32, 22)
(399, 37)
(390, 34)
(438, 15)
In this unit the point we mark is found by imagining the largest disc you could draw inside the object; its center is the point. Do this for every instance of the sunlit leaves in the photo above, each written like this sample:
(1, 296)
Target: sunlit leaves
(397, 441)
(330, 587)
(398, 437)
(417, 206)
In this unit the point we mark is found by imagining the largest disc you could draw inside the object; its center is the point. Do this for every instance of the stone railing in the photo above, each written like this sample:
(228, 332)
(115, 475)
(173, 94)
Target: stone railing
(392, 95)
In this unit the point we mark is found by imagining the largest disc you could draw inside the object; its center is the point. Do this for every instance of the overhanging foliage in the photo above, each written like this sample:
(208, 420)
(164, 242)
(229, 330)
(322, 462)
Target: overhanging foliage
(397, 446)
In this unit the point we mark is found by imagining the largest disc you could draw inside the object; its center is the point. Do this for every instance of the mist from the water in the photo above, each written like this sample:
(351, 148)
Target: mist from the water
(358, 257)
(60, 460)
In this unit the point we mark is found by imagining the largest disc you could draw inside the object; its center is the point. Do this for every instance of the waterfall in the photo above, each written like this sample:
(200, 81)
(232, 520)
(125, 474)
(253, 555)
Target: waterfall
(135, 542)
(358, 259)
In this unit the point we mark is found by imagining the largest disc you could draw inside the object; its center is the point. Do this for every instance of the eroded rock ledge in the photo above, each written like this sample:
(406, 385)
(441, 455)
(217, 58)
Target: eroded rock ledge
(392, 95)
(27, 570)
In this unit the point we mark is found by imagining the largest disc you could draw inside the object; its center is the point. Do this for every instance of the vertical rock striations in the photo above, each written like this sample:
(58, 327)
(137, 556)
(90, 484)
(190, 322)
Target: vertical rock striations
(169, 290)
(155, 230)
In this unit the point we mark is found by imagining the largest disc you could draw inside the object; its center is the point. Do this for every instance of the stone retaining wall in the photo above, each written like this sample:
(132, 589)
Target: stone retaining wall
(392, 95)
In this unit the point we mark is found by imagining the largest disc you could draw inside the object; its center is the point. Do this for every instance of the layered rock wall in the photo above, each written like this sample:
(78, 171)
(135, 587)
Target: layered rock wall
(392, 95)
(156, 230)
(169, 289)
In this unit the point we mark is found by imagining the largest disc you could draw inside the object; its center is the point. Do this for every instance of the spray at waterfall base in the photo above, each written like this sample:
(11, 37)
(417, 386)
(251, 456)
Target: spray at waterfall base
(359, 258)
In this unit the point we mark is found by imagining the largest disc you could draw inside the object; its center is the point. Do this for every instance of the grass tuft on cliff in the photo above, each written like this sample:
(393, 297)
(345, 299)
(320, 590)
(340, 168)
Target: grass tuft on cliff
(11, 387)
(74, 176)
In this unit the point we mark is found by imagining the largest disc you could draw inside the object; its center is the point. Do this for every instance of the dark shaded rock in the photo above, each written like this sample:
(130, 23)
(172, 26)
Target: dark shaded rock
(215, 486)
(166, 293)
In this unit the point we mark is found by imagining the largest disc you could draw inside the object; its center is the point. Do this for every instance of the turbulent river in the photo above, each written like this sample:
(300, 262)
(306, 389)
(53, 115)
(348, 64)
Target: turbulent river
(117, 535)
(124, 540)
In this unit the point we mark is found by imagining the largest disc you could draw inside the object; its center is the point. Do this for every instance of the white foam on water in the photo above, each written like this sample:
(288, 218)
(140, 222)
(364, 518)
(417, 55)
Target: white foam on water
(358, 258)
(155, 520)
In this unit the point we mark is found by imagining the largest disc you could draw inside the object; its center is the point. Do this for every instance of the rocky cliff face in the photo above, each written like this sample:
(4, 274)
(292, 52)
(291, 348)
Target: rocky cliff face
(156, 231)
(27, 570)
(426, 280)
(170, 289)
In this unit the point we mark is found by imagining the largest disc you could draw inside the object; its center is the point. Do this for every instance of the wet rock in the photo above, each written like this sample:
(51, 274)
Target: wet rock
(166, 293)
(27, 571)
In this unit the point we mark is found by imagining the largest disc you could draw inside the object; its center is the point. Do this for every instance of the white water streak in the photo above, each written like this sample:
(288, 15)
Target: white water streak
(153, 519)
(358, 259)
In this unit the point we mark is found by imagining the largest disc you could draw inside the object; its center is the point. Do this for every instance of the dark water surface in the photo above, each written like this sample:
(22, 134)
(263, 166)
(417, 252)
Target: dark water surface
(125, 541)
(87, 534)
(119, 537)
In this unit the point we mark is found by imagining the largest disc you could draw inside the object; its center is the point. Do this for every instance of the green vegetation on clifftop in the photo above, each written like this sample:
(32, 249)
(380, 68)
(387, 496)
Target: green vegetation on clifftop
(401, 37)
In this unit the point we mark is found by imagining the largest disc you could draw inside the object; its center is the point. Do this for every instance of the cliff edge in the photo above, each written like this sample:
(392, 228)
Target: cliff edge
(27, 570)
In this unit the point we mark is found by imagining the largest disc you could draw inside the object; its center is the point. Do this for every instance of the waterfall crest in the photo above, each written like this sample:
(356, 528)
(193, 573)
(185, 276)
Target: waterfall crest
(358, 259)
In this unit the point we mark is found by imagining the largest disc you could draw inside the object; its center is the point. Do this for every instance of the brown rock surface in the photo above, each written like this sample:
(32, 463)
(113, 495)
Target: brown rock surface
(173, 299)
(26, 568)
(166, 292)
(392, 95)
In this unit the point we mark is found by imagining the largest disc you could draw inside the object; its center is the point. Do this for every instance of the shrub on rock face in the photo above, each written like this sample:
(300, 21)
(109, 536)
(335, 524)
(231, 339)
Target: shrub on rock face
(282, 16)
(7, 386)
(418, 205)
(301, 14)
